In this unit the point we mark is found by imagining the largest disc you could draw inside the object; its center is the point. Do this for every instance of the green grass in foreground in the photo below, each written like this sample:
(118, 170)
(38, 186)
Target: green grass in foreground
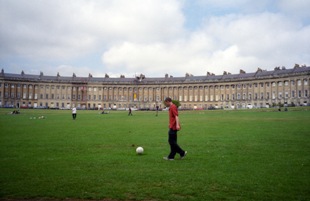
(232, 155)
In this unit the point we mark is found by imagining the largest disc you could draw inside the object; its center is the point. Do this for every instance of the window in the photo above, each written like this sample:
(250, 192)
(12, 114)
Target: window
(298, 82)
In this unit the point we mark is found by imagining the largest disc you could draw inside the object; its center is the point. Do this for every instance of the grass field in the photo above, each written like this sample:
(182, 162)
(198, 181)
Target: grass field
(232, 155)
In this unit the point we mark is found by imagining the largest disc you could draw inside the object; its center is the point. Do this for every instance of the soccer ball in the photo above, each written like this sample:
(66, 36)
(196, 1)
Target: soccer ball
(139, 150)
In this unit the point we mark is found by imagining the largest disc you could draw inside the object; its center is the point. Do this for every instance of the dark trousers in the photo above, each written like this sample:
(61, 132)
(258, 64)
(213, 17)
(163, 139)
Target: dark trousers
(174, 147)
(73, 116)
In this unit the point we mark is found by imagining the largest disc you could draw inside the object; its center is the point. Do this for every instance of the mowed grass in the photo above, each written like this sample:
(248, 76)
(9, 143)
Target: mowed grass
(232, 155)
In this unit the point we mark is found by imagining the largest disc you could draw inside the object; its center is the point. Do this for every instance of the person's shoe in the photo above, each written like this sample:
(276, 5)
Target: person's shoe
(183, 155)
(168, 159)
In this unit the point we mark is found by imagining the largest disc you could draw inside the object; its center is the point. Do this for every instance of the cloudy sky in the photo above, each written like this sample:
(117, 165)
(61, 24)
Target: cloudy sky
(153, 37)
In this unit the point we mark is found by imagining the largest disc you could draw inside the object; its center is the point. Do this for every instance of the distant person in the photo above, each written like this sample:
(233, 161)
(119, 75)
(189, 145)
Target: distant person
(130, 112)
(157, 108)
(74, 113)
(174, 127)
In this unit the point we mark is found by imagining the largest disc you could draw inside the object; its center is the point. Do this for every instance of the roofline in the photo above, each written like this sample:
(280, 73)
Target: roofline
(242, 76)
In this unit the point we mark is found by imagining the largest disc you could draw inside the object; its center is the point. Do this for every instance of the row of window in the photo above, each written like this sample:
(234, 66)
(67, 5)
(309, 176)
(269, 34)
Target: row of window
(221, 97)
(81, 88)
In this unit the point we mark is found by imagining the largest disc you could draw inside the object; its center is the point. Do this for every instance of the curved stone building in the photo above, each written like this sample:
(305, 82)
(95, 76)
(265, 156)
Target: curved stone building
(244, 90)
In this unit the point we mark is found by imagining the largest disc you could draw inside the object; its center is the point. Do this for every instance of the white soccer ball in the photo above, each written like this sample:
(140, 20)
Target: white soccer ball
(139, 150)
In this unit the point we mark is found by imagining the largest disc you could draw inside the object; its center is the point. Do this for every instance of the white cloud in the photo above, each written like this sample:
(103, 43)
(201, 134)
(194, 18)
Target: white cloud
(226, 43)
(59, 30)
(150, 37)
(296, 8)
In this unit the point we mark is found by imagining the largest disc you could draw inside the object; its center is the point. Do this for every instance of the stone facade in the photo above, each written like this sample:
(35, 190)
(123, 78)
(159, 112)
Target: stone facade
(243, 90)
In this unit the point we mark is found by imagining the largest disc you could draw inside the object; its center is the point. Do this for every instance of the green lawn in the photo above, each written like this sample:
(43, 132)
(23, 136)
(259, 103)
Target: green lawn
(232, 155)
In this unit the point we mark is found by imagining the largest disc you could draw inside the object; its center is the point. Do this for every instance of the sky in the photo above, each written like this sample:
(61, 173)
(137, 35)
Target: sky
(152, 37)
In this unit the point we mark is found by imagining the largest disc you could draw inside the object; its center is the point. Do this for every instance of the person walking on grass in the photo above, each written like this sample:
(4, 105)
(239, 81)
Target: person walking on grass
(74, 113)
(174, 127)
(129, 113)
(157, 108)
